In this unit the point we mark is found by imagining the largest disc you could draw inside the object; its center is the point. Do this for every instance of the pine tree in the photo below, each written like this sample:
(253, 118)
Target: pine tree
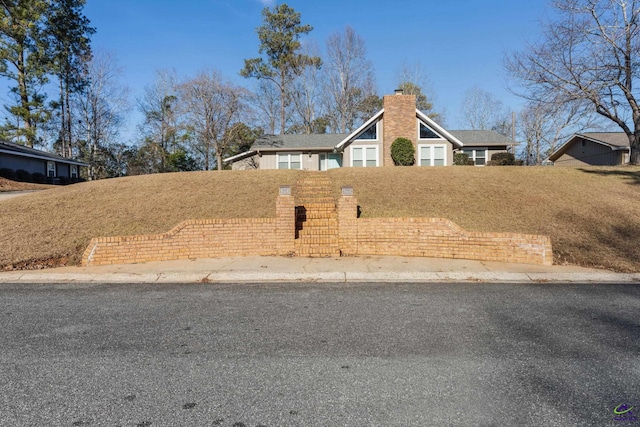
(279, 41)
(23, 59)
(68, 31)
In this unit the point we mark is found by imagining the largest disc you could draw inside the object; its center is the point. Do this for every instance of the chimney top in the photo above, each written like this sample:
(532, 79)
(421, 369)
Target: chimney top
(399, 91)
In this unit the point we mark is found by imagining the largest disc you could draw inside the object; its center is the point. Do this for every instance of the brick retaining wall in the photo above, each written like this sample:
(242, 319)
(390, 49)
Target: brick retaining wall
(428, 237)
(190, 239)
(206, 238)
(441, 238)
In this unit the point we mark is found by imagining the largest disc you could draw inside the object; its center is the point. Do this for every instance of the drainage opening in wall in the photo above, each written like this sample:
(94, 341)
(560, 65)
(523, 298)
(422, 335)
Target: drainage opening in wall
(301, 218)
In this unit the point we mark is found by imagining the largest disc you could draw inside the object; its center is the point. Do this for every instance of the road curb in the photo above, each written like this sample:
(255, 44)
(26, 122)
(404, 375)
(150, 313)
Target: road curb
(333, 277)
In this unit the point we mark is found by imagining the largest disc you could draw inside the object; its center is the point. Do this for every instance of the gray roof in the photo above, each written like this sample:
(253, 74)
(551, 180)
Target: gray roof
(616, 139)
(328, 141)
(287, 141)
(22, 150)
(477, 138)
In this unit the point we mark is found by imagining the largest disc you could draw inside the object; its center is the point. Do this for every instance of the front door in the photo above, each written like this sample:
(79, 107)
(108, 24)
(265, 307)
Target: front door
(330, 161)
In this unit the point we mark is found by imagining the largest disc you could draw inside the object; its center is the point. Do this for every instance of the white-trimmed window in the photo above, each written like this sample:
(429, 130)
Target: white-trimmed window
(364, 156)
(74, 171)
(51, 169)
(427, 133)
(370, 133)
(289, 160)
(432, 155)
(478, 155)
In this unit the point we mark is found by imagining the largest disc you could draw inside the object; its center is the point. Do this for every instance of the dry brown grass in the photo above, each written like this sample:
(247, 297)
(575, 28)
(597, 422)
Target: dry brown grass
(591, 214)
(8, 185)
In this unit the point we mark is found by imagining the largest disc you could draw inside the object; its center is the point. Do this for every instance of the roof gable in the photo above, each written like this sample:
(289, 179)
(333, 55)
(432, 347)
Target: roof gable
(352, 136)
(419, 114)
(614, 140)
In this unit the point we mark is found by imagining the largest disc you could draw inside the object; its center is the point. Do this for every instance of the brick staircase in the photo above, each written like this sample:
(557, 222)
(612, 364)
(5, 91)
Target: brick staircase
(316, 217)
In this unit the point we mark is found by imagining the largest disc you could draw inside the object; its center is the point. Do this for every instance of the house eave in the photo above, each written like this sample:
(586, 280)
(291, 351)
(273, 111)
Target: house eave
(490, 144)
(292, 149)
(39, 157)
(240, 156)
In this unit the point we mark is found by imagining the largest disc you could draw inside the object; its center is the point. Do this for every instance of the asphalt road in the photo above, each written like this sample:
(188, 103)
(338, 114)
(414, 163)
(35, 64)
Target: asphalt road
(319, 355)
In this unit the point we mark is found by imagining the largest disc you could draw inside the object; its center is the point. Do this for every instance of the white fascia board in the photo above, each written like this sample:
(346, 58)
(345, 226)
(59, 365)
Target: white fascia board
(239, 156)
(360, 129)
(50, 159)
(442, 131)
(292, 149)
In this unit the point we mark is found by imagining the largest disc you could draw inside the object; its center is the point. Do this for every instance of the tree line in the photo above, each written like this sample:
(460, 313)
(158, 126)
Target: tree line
(193, 123)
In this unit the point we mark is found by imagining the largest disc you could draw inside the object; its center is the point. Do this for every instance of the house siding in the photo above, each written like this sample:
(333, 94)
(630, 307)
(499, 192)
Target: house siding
(346, 155)
(17, 158)
(23, 163)
(63, 170)
(309, 161)
(590, 154)
(268, 161)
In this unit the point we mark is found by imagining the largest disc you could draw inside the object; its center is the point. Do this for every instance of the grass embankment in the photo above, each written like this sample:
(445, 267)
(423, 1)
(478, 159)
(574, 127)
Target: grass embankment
(8, 185)
(592, 215)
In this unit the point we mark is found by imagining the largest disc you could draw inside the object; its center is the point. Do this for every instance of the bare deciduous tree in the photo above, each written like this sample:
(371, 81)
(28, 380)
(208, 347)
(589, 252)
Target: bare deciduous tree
(266, 102)
(305, 95)
(349, 79)
(213, 106)
(98, 113)
(590, 52)
(544, 126)
(161, 128)
(482, 110)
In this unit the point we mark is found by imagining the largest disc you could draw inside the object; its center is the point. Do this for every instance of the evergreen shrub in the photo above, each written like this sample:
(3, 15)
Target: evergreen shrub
(23, 175)
(503, 159)
(403, 152)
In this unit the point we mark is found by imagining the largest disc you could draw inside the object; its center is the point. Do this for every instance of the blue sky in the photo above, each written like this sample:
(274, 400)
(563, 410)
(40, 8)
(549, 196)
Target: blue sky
(458, 44)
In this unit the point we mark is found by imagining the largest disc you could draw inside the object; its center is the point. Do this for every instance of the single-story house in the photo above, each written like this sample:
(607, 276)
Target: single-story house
(15, 157)
(593, 148)
(370, 144)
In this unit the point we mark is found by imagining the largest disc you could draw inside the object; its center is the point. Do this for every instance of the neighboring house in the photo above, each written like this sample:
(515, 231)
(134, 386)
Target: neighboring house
(16, 157)
(370, 144)
(593, 148)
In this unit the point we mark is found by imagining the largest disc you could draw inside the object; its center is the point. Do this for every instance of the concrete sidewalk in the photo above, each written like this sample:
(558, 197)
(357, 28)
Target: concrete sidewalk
(6, 195)
(346, 269)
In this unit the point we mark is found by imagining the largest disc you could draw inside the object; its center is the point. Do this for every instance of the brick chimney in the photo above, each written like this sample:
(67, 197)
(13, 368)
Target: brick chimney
(399, 122)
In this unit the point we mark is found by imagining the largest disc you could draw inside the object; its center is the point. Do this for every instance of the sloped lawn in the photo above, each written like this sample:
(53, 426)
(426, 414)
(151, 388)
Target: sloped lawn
(591, 214)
